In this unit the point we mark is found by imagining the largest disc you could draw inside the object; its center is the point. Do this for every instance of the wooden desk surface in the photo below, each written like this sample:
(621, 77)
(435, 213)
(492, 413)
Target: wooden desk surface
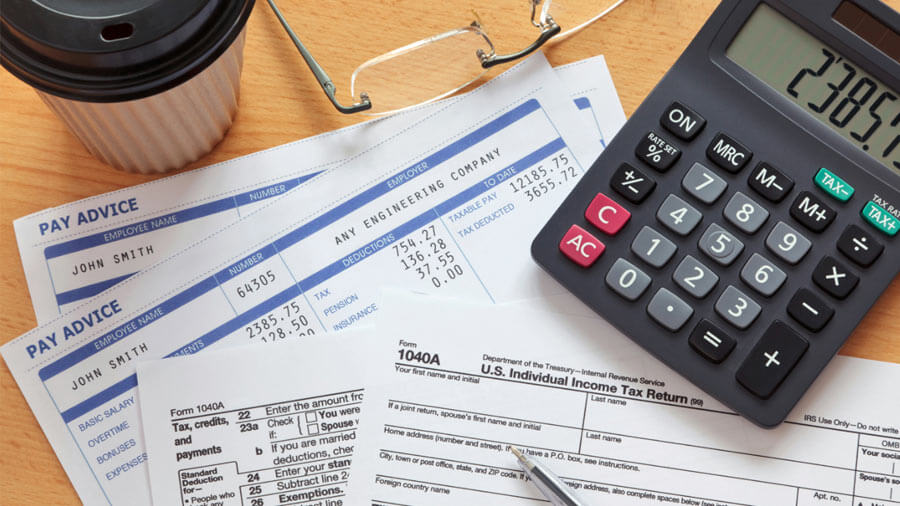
(42, 165)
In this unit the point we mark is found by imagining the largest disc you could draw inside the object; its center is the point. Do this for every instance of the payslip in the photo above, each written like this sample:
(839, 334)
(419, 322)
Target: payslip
(75, 251)
(449, 207)
(256, 426)
(453, 385)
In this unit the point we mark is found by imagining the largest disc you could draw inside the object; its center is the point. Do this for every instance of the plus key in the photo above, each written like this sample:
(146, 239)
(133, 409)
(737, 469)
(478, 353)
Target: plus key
(770, 361)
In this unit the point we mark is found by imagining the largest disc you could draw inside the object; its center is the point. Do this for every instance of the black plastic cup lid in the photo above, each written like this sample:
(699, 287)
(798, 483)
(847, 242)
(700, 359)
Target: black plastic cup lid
(115, 50)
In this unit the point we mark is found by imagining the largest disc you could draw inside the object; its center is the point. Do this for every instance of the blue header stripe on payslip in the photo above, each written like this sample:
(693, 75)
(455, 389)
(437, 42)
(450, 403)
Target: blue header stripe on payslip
(176, 218)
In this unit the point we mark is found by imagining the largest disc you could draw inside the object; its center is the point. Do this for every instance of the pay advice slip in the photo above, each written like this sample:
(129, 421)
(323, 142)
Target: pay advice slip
(453, 385)
(73, 252)
(449, 207)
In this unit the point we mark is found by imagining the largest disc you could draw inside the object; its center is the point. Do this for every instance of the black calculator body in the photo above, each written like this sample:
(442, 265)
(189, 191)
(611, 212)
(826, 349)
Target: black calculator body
(744, 219)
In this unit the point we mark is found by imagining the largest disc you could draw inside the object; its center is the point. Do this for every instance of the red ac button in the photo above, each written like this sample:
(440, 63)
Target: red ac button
(581, 247)
(607, 215)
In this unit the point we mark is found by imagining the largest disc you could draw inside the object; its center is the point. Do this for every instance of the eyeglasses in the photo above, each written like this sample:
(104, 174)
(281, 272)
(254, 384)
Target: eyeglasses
(429, 69)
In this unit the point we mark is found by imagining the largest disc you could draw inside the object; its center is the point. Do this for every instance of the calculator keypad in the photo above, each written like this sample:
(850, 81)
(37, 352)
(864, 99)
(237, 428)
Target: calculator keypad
(745, 214)
(694, 277)
(703, 184)
(627, 280)
(787, 244)
(653, 247)
(665, 278)
(668, 310)
(720, 245)
(737, 308)
(632, 184)
(762, 275)
(678, 216)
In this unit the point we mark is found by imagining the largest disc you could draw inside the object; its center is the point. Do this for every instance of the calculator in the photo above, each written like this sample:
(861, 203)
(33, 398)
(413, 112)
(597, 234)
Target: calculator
(745, 218)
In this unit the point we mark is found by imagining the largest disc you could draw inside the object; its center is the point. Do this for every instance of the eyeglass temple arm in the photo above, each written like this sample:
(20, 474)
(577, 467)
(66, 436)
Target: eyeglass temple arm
(488, 61)
(318, 71)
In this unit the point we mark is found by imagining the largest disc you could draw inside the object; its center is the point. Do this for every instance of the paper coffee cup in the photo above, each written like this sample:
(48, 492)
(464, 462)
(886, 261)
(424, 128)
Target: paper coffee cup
(146, 85)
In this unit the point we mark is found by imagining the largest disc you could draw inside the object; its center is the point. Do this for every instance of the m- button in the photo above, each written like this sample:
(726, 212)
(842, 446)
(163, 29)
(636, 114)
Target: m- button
(770, 361)
(682, 121)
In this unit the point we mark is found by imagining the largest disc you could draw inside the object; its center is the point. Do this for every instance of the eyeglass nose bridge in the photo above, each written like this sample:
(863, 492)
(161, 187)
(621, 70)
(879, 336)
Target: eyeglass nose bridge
(489, 60)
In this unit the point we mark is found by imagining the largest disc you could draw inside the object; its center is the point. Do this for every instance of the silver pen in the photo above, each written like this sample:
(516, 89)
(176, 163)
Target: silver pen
(548, 483)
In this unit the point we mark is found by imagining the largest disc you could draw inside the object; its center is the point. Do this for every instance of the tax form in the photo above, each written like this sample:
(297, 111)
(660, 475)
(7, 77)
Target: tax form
(448, 207)
(73, 252)
(249, 425)
(453, 385)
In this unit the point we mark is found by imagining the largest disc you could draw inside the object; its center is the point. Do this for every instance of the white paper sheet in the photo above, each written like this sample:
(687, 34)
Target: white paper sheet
(252, 425)
(75, 251)
(453, 385)
(449, 207)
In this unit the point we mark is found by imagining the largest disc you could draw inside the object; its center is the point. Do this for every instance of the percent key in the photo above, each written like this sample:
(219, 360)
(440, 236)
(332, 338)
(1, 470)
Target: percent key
(657, 152)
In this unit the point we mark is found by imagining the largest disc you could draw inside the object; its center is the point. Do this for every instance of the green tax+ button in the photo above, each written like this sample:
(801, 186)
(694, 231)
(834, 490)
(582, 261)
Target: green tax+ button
(834, 185)
(881, 219)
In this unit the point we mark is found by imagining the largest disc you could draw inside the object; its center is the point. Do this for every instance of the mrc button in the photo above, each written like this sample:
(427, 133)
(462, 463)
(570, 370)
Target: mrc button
(728, 153)
(682, 121)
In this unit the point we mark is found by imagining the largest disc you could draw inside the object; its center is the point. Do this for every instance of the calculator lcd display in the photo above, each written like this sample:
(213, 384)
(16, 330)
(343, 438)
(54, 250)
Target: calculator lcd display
(826, 85)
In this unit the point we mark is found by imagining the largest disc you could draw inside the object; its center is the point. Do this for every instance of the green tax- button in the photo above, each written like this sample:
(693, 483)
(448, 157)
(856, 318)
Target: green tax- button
(834, 185)
(881, 219)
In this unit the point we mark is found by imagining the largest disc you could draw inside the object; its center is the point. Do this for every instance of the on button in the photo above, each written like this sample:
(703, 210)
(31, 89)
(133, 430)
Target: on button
(682, 121)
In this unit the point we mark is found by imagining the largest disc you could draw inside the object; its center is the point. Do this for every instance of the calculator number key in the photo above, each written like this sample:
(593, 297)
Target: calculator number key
(703, 184)
(745, 214)
(652, 247)
(679, 216)
(720, 245)
(762, 275)
(627, 280)
(657, 152)
(770, 361)
(737, 308)
(632, 184)
(668, 310)
(694, 277)
(787, 244)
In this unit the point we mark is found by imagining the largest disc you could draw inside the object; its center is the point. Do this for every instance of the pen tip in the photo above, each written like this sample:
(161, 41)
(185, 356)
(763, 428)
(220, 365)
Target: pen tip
(517, 453)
